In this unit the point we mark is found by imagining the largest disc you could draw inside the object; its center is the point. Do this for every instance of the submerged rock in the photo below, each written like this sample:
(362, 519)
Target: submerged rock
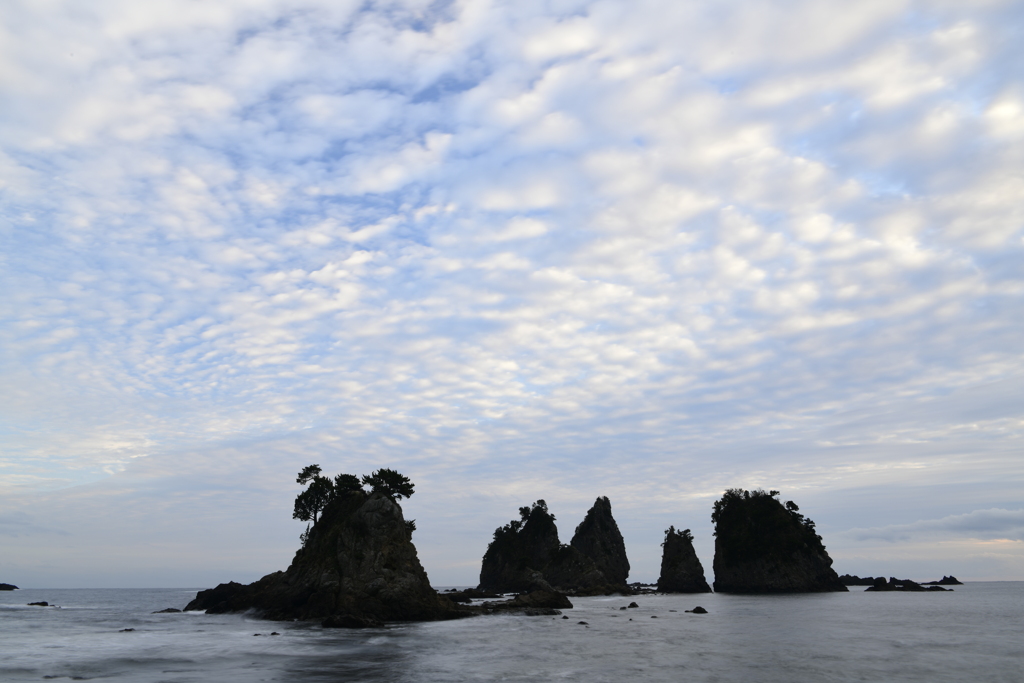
(763, 547)
(358, 567)
(526, 556)
(169, 610)
(681, 570)
(598, 538)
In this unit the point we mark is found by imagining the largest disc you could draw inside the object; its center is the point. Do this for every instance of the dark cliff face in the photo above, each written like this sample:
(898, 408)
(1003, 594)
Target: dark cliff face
(762, 546)
(681, 570)
(526, 555)
(358, 562)
(598, 538)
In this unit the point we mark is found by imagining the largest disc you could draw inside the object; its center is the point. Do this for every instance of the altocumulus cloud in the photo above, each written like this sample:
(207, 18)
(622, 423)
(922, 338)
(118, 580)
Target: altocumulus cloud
(981, 524)
(515, 249)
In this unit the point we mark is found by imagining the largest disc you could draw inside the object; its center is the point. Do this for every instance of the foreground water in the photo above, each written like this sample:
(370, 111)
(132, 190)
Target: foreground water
(971, 634)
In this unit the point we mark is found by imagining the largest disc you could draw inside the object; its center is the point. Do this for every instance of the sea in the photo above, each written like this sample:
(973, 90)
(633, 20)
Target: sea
(974, 633)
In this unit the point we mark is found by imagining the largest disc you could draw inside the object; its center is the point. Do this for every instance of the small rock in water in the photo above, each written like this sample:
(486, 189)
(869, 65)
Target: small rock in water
(673, 610)
(41, 603)
(697, 610)
(126, 630)
(633, 604)
(275, 633)
(583, 622)
(654, 616)
(169, 610)
(565, 617)
(622, 608)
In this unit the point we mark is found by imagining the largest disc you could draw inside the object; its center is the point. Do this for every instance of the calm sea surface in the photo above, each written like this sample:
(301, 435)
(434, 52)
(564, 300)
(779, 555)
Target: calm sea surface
(975, 633)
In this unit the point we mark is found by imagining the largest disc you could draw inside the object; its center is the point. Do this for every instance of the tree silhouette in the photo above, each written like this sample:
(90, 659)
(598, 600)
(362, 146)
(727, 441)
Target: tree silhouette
(347, 482)
(315, 498)
(390, 483)
(308, 473)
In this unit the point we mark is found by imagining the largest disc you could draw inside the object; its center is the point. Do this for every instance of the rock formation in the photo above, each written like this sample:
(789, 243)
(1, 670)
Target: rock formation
(944, 581)
(8, 587)
(854, 580)
(598, 538)
(357, 567)
(763, 547)
(526, 555)
(907, 585)
(681, 571)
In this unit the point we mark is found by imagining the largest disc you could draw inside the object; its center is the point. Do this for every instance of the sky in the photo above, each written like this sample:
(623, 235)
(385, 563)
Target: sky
(517, 250)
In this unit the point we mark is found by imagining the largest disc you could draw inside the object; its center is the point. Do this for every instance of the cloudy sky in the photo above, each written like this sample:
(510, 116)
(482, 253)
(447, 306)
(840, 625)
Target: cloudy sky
(515, 250)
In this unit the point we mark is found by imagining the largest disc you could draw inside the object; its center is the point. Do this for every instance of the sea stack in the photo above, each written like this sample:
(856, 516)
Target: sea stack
(598, 538)
(357, 567)
(762, 546)
(526, 555)
(681, 570)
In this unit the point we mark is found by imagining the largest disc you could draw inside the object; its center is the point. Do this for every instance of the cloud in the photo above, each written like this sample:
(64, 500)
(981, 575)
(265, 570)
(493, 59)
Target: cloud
(990, 524)
(487, 241)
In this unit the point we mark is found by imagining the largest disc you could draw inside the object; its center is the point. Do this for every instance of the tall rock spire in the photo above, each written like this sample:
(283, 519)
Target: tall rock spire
(598, 538)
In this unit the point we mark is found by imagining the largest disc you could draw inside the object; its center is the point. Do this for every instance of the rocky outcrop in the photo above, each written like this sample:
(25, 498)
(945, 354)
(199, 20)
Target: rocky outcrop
(8, 587)
(762, 546)
(944, 581)
(357, 567)
(681, 570)
(598, 538)
(894, 584)
(854, 580)
(526, 556)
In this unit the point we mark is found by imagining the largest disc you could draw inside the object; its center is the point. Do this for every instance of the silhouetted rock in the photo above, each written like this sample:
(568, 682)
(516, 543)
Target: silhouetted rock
(8, 587)
(894, 584)
(681, 571)
(598, 538)
(533, 604)
(41, 603)
(763, 547)
(697, 610)
(848, 580)
(944, 581)
(358, 566)
(526, 555)
(169, 610)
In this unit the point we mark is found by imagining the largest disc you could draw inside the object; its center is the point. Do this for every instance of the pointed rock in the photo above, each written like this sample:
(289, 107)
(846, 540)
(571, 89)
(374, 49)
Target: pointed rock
(763, 547)
(681, 570)
(598, 538)
(526, 555)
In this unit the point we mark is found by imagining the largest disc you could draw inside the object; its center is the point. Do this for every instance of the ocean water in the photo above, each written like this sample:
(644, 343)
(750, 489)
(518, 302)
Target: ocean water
(975, 633)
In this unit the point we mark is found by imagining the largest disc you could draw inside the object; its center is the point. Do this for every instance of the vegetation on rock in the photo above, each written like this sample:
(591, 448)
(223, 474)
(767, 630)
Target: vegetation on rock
(681, 570)
(321, 490)
(526, 555)
(763, 546)
(357, 567)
